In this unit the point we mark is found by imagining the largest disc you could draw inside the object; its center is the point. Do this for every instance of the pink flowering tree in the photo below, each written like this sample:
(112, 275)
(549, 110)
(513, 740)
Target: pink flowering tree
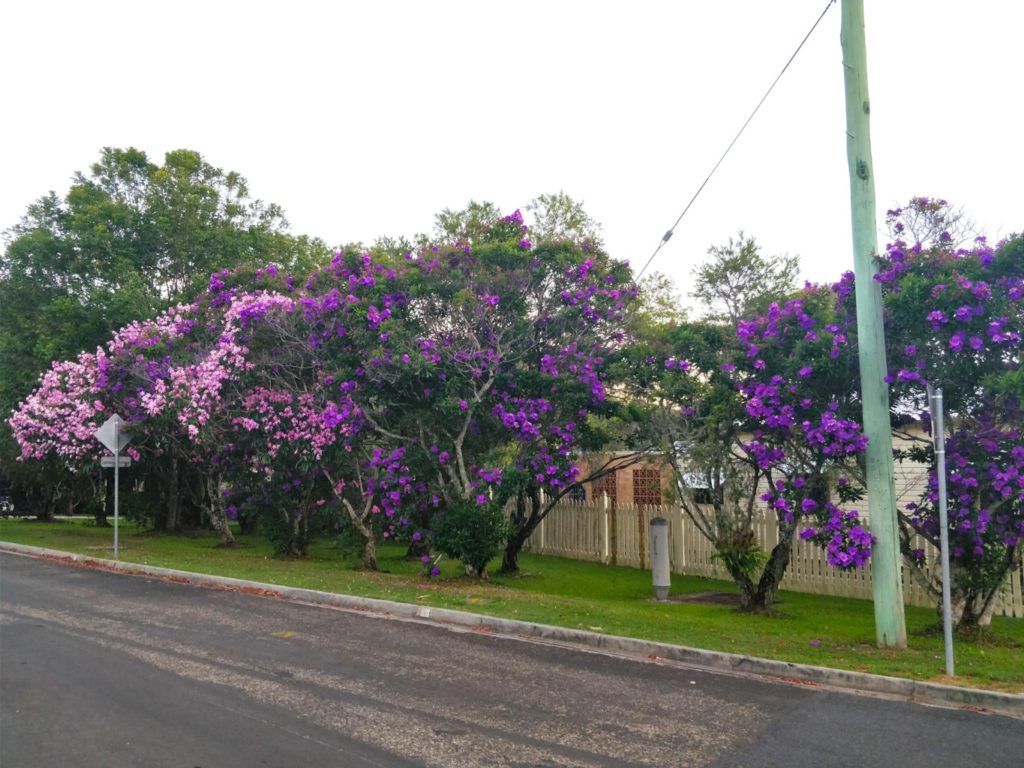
(173, 380)
(60, 416)
(955, 319)
(53, 428)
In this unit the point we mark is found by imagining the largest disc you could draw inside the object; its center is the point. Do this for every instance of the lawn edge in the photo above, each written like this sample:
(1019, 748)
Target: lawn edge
(779, 671)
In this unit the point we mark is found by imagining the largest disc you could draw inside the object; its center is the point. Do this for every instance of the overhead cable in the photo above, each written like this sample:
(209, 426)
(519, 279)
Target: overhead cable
(665, 238)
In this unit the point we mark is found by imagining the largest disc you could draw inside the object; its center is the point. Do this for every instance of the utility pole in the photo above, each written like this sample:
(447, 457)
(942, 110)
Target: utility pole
(890, 626)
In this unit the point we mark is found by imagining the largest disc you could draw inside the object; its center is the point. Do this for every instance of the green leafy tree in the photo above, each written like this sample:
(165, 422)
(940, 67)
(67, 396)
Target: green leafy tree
(471, 534)
(558, 217)
(737, 282)
(659, 302)
(466, 225)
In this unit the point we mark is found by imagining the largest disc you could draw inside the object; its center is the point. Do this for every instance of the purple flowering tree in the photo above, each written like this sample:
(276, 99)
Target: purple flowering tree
(483, 361)
(768, 418)
(544, 317)
(955, 319)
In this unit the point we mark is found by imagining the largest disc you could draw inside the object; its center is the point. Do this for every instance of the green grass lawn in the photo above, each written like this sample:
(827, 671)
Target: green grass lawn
(810, 629)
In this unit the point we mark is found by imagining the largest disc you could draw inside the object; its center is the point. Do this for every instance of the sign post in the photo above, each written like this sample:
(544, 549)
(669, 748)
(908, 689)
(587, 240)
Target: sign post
(114, 439)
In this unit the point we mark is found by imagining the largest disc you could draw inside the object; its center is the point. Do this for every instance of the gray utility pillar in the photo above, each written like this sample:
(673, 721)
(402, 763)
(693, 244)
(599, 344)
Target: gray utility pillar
(660, 571)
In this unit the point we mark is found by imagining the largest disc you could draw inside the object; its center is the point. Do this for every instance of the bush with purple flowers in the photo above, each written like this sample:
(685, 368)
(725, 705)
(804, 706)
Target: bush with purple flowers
(955, 319)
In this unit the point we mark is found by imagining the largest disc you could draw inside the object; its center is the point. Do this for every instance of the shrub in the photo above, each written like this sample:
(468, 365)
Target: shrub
(471, 533)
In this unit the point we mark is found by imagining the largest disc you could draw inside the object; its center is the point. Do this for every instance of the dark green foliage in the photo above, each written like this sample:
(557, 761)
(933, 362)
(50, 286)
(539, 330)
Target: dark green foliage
(740, 553)
(471, 533)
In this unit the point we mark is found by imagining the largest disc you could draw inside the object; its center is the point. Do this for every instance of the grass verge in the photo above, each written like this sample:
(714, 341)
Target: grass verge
(808, 629)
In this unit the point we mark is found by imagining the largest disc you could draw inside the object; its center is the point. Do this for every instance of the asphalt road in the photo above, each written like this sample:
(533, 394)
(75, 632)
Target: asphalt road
(101, 669)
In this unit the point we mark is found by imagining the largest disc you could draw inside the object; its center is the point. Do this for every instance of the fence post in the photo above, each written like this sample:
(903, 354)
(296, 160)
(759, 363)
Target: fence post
(680, 546)
(641, 529)
(614, 537)
(541, 527)
(605, 550)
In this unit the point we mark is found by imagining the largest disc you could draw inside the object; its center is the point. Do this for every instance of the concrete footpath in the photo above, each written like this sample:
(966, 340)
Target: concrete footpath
(780, 671)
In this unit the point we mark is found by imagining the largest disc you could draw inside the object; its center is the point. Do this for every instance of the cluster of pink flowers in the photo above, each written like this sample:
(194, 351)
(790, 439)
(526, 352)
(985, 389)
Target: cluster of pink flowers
(61, 416)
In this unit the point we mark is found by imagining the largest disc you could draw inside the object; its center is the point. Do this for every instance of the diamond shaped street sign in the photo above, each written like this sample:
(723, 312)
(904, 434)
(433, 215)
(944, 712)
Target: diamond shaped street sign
(110, 434)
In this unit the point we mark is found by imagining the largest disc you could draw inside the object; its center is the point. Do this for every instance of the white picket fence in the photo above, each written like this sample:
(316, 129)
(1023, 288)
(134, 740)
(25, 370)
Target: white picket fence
(619, 534)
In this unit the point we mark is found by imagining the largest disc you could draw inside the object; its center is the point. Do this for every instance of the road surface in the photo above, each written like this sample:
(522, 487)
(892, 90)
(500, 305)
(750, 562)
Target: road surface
(101, 669)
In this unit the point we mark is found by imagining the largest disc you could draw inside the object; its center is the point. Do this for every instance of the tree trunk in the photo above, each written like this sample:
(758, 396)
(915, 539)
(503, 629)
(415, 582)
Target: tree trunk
(975, 607)
(106, 509)
(219, 521)
(38, 504)
(985, 618)
(300, 534)
(975, 611)
(523, 523)
(44, 513)
(218, 517)
(369, 550)
(478, 573)
(420, 520)
(510, 558)
(748, 593)
(774, 570)
(248, 524)
(417, 549)
(172, 520)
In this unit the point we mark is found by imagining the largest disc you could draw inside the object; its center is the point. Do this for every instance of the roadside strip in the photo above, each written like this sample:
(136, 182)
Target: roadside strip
(730, 663)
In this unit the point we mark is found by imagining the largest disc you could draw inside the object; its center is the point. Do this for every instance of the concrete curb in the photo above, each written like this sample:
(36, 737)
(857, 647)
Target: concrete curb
(781, 671)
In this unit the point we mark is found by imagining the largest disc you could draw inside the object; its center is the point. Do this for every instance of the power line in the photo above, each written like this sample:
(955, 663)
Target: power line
(665, 238)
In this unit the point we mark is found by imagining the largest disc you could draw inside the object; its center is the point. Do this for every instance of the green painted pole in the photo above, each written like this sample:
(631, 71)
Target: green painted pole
(890, 626)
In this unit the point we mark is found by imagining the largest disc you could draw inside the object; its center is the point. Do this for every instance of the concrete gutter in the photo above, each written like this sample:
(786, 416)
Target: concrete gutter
(730, 663)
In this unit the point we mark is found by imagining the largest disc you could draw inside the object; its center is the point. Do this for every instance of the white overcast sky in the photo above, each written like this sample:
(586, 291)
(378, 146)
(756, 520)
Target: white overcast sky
(366, 118)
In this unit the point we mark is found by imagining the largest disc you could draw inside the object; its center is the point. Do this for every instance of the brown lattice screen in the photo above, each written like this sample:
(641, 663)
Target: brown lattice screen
(647, 486)
(606, 485)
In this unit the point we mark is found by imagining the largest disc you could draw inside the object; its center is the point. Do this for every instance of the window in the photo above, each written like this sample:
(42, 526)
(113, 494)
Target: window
(697, 483)
(647, 487)
(577, 493)
(702, 496)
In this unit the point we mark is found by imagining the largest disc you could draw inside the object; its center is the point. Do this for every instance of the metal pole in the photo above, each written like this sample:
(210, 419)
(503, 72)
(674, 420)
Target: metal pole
(890, 625)
(939, 436)
(117, 462)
